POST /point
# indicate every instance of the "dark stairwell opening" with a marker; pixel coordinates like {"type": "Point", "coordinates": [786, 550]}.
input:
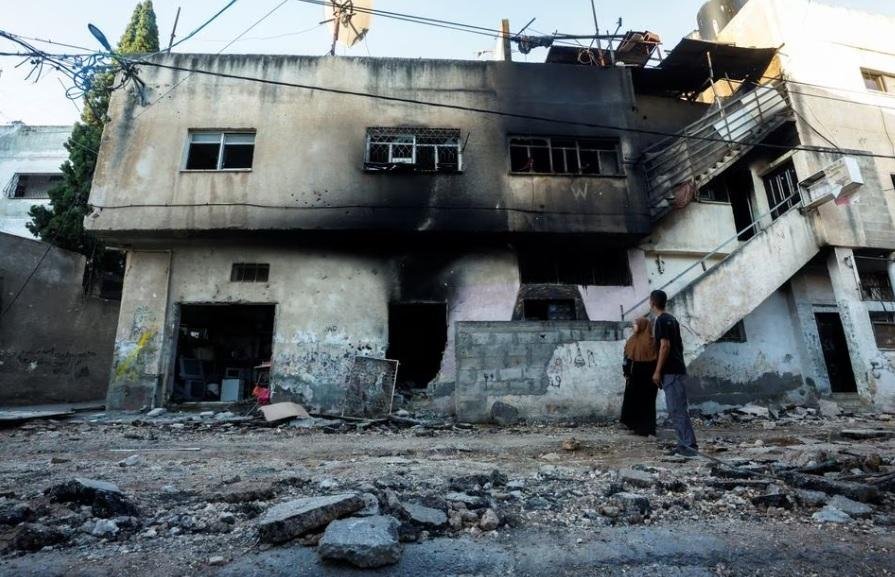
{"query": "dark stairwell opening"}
{"type": "Point", "coordinates": [417, 335]}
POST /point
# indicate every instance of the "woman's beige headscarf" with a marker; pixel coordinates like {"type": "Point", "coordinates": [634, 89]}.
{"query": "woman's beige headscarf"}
{"type": "Point", "coordinates": [641, 347]}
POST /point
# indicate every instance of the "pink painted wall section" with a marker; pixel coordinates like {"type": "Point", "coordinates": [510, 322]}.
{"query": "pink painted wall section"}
{"type": "Point", "coordinates": [603, 303]}
{"type": "Point", "coordinates": [486, 289]}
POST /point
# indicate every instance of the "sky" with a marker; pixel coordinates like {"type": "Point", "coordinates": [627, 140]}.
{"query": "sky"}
{"type": "Point", "coordinates": [294, 28]}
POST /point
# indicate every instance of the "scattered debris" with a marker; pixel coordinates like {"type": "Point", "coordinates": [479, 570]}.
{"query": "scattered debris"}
{"type": "Point", "coordinates": [504, 414]}
{"type": "Point", "coordinates": [571, 444]}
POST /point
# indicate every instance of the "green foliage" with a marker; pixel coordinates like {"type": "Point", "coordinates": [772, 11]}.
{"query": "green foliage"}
{"type": "Point", "coordinates": [62, 223]}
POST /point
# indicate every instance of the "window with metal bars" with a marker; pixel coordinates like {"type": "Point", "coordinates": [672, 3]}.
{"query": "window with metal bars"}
{"type": "Point", "coordinates": [559, 155]}
{"type": "Point", "coordinates": [249, 272]}
{"type": "Point", "coordinates": [414, 149]}
{"type": "Point", "coordinates": [782, 188]}
{"type": "Point", "coordinates": [31, 185]}
{"type": "Point", "coordinates": [883, 329]}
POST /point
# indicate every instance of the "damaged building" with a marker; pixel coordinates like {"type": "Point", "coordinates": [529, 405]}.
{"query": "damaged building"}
{"type": "Point", "coordinates": [494, 226]}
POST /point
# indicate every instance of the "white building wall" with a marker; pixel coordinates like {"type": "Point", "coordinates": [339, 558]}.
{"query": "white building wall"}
{"type": "Point", "coordinates": [24, 149]}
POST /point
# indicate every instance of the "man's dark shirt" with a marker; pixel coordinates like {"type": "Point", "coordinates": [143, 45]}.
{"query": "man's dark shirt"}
{"type": "Point", "coordinates": [667, 327]}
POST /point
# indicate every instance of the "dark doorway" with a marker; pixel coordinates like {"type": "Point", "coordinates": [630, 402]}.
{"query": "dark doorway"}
{"type": "Point", "coordinates": [219, 350]}
{"type": "Point", "coordinates": [835, 348]}
{"type": "Point", "coordinates": [741, 204]}
{"type": "Point", "coordinates": [417, 335]}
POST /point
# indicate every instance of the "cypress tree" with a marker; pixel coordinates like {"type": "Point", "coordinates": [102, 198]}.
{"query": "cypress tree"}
{"type": "Point", "coordinates": [62, 222]}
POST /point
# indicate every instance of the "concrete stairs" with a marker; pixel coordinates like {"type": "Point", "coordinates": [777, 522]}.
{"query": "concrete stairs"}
{"type": "Point", "coordinates": [717, 299]}
{"type": "Point", "coordinates": [712, 144]}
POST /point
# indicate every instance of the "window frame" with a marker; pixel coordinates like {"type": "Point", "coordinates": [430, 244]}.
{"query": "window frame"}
{"type": "Point", "coordinates": [239, 270]}
{"type": "Point", "coordinates": [737, 334]}
{"type": "Point", "coordinates": [415, 137]}
{"type": "Point", "coordinates": [221, 144]}
{"type": "Point", "coordinates": [874, 315]}
{"type": "Point", "coordinates": [616, 149]}
{"type": "Point", "coordinates": [12, 187]}
{"type": "Point", "coordinates": [885, 83]}
{"type": "Point", "coordinates": [772, 181]}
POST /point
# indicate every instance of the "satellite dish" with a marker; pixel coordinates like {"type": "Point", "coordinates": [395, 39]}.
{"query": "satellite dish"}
{"type": "Point", "coordinates": [349, 20]}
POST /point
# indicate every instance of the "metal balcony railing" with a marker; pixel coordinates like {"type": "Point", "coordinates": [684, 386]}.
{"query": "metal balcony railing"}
{"type": "Point", "coordinates": [713, 143]}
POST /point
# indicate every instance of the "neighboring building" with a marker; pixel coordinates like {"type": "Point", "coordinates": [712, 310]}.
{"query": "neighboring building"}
{"type": "Point", "coordinates": [30, 161]}
{"type": "Point", "coordinates": [55, 341]}
{"type": "Point", "coordinates": [494, 256]}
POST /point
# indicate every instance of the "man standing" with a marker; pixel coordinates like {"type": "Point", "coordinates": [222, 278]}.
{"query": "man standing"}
{"type": "Point", "coordinates": [670, 373]}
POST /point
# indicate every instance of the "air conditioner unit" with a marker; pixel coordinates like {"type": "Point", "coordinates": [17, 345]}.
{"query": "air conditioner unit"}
{"type": "Point", "coordinates": [839, 181]}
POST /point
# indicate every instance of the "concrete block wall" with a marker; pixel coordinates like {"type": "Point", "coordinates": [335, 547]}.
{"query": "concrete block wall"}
{"type": "Point", "coordinates": [547, 370]}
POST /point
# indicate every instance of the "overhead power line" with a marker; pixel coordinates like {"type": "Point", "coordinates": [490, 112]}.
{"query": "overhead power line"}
{"type": "Point", "coordinates": [503, 113]}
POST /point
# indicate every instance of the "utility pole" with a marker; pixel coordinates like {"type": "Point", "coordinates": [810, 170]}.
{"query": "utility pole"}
{"type": "Point", "coordinates": [504, 48]}
{"type": "Point", "coordinates": [593, 8]}
{"type": "Point", "coordinates": [174, 29]}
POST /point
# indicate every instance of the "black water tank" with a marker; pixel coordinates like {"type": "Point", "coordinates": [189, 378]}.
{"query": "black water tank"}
{"type": "Point", "coordinates": [714, 16]}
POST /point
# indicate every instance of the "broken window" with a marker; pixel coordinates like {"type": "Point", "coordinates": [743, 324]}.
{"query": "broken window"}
{"type": "Point", "coordinates": [424, 150]}
{"type": "Point", "coordinates": [31, 185]}
{"type": "Point", "coordinates": [249, 272]}
{"type": "Point", "coordinates": [873, 272]}
{"type": "Point", "coordinates": [549, 310]}
{"type": "Point", "coordinates": [558, 155]}
{"type": "Point", "coordinates": [735, 335]}
{"type": "Point", "coordinates": [878, 82]}
{"type": "Point", "coordinates": [715, 191]}
{"type": "Point", "coordinates": [782, 187]}
{"type": "Point", "coordinates": [417, 336]}
{"type": "Point", "coordinates": [883, 329]}
{"type": "Point", "coordinates": [220, 151]}
{"type": "Point", "coordinates": [572, 265]}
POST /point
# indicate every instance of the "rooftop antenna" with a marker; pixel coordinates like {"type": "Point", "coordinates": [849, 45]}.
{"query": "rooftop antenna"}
{"type": "Point", "coordinates": [174, 29]}
{"type": "Point", "coordinates": [350, 21]}
{"type": "Point", "coordinates": [593, 8]}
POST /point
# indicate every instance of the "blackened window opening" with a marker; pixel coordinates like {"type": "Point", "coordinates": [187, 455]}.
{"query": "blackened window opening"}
{"type": "Point", "coordinates": [563, 155]}
{"type": "Point", "coordinates": [249, 272]}
{"type": "Point", "coordinates": [549, 310]}
{"type": "Point", "coordinates": [413, 149]}
{"type": "Point", "coordinates": [571, 265]}
{"type": "Point", "coordinates": [782, 185]}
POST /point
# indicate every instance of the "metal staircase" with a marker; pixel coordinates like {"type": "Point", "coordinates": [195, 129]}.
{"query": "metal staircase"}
{"type": "Point", "coordinates": [710, 145]}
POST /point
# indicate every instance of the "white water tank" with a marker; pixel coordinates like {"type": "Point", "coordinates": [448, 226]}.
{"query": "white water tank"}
{"type": "Point", "coordinates": [715, 15]}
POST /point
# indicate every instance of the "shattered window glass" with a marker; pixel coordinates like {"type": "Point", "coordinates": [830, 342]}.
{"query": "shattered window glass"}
{"type": "Point", "coordinates": [564, 155]}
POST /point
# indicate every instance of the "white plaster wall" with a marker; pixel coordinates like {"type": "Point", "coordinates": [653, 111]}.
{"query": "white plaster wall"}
{"type": "Point", "coordinates": [771, 347]}
{"type": "Point", "coordinates": [25, 148]}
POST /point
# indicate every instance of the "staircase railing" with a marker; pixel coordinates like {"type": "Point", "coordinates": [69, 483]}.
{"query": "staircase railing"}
{"type": "Point", "coordinates": [717, 250]}
{"type": "Point", "coordinates": [728, 130]}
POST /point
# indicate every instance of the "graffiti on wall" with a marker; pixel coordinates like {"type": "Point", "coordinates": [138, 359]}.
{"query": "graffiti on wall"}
{"type": "Point", "coordinates": [134, 355]}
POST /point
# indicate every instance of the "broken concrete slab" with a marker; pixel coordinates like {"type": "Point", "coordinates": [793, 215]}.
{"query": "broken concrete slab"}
{"type": "Point", "coordinates": [12, 418]}
{"type": "Point", "coordinates": [812, 498]}
{"type": "Point", "coordinates": [424, 517]}
{"type": "Point", "coordinates": [504, 414]}
{"type": "Point", "coordinates": [851, 508]}
{"type": "Point", "coordinates": [636, 478]}
{"type": "Point", "coordinates": [34, 537]}
{"type": "Point", "coordinates": [857, 491]}
{"type": "Point", "coordinates": [778, 500]}
{"type": "Point", "coordinates": [489, 521]}
{"type": "Point", "coordinates": [371, 506]}
{"type": "Point", "coordinates": [292, 519]}
{"type": "Point", "coordinates": [632, 503]}
{"type": "Point", "coordinates": [365, 542]}
{"type": "Point", "coordinates": [831, 515]}
{"type": "Point", "coordinates": [14, 513]}
{"type": "Point", "coordinates": [828, 408]}
{"type": "Point", "coordinates": [471, 501]}
{"type": "Point", "coordinates": [106, 499]}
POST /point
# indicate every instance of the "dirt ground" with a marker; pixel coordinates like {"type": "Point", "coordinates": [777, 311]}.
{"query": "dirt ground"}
{"type": "Point", "coordinates": [200, 485]}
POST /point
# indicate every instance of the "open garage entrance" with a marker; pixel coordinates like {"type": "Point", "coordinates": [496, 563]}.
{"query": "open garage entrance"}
{"type": "Point", "coordinates": [417, 335]}
{"type": "Point", "coordinates": [219, 351]}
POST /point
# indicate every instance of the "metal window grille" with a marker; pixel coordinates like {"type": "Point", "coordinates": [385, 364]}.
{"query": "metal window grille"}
{"type": "Point", "coordinates": [883, 329]}
{"type": "Point", "coordinates": [31, 185]}
{"type": "Point", "coordinates": [558, 155]}
{"type": "Point", "coordinates": [249, 272]}
{"type": "Point", "coordinates": [413, 149]}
